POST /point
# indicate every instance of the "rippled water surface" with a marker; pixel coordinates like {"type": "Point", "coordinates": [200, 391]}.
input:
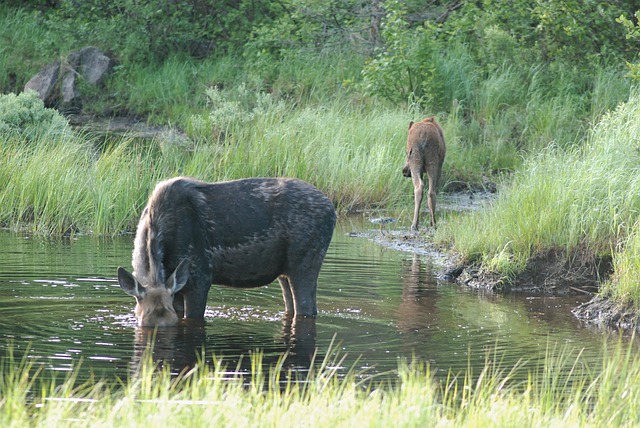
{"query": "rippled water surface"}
{"type": "Point", "coordinates": [61, 306]}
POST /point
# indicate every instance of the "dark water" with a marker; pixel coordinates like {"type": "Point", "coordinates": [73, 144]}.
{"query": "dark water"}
{"type": "Point", "coordinates": [60, 305]}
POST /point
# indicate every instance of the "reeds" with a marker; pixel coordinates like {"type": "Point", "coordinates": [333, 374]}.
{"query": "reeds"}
{"type": "Point", "coordinates": [65, 184]}
{"type": "Point", "coordinates": [561, 390]}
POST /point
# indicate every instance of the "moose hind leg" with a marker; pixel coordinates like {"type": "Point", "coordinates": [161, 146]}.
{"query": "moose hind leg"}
{"type": "Point", "coordinates": [418, 189]}
{"type": "Point", "coordinates": [287, 295]}
{"type": "Point", "coordinates": [433, 174]}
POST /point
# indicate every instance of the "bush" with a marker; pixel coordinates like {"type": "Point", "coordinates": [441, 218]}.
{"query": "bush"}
{"type": "Point", "coordinates": [406, 66]}
{"type": "Point", "coordinates": [26, 115]}
{"type": "Point", "coordinates": [633, 32]}
{"type": "Point", "coordinates": [147, 30]}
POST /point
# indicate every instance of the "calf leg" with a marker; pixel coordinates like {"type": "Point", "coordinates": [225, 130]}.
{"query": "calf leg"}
{"type": "Point", "coordinates": [418, 190]}
{"type": "Point", "coordinates": [433, 175]}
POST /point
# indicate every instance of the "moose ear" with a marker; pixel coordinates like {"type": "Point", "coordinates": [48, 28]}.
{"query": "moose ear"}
{"type": "Point", "coordinates": [129, 283]}
{"type": "Point", "coordinates": [179, 277]}
{"type": "Point", "coordinates": [410, 124]}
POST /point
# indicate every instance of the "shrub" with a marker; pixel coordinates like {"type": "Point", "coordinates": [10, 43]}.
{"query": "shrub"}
{"type": "Point", "coordinates": [26, 115]}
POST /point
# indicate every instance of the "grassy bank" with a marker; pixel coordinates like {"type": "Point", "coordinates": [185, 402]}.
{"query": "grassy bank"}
{"type": "Point", "coordinates": [561, 391]}
{"type": "Point", "coordinates": [581, 199]}
{"type": "Point", "coordinates": [59, 182]}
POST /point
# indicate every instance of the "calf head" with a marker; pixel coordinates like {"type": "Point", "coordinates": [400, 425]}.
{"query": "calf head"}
{"type": "Point", "coordinates": [154, 301]}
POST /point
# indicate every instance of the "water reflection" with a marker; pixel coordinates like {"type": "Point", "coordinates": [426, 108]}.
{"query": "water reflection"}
{"type": "Point", "coordinates": [418, 309]}
{"type": "Point", "coordinates": [183, 346]}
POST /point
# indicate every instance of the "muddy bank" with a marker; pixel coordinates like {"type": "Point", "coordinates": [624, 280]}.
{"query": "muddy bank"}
{"type": "Point", "coordinates": [606, 313]}
{"type": "Point", "coordinates": [554, 272]}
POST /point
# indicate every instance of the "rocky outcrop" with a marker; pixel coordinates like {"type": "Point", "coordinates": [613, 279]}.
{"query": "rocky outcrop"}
{"type": "Point", "coordinates": [57, 83]}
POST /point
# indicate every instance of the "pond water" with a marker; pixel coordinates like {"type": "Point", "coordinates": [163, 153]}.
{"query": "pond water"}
{"type": "Point", "coordinates": [60, 306]}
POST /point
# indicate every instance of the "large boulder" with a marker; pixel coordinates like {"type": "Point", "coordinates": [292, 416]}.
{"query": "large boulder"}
{"type": "Point", "coordinates": [45, 81]}
{"type": "Point", "coordinates": [89, 65]}
{"type": "Point", "coordinates": [94, 65]}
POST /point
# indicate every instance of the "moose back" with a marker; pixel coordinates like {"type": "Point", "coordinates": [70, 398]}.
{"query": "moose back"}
{"type": "Point", "coordinates": [241, 233]}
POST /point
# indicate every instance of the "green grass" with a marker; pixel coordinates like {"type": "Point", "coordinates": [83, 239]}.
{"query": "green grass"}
{"type": "Point", "coordinates": [562, 390]}
{"type": "Point", "coordinates": [577, 198]}
{"type": "Point", "coordinates": [21, 32]}
{"type": "Point", "coordinates": [59, 184]}
{"type": "Point", "coordinates": [353, 150]}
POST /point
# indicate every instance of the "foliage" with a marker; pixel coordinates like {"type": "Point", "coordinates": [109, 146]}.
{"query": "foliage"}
{"type": "Point", "coordinates": [581, 31]}
{"type": "Point", "coordinates": [26, 116]}
{"type": "Point", "coordinates": [309, 25]}
{"type": "Point", "coordinates": [143, 30]}
{"type": "Point", "coordinates": [494, 34]}
{"type": "Point", "coordinates": [225, 114]}
{"type": "Point", "coordinates": [406, 66]}
{"type": "Point", "coordinates": [633, 32]}
{"type": "Point", "coordinates": [572, 31]}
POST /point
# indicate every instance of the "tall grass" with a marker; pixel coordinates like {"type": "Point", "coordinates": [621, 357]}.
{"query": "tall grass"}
{"type": "Point", "coordinates": [584, 197]}
{"type": "Point", "coordinates": [174, 90]}
{"type": "Point", "coordinates": [562, 390]}
{"type": "Point", "coordinates": [64, 184]}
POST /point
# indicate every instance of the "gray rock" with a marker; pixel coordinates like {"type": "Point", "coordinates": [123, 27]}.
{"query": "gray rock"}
{"type": "Point", "coordinates": [69, 74]}
{"type": "Point", "coordinates": [45, 81]}
{"type": "Point", "coordinates": [94, 65]}
{"type": "Point", "coordinates": [89, 64]}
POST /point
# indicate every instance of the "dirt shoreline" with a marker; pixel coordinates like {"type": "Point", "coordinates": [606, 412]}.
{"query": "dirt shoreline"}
{"type": "Point", "coordinates": [552, 273]}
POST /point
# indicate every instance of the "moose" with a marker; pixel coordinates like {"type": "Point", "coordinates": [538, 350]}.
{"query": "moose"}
{"type": "Point", "coordinates": [425, 153]}
{"type": "Point", "coordinates": [241, 233]}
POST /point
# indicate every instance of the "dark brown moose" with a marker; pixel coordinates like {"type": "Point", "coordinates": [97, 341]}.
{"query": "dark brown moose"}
{"type": "Point", "coordinates": [425, 153]}
{"type": "Point", "coordinates": [241, 233]}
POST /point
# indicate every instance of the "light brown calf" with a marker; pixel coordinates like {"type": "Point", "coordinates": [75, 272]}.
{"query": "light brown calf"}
{"type": "Point", "coordinates": [425, 153]}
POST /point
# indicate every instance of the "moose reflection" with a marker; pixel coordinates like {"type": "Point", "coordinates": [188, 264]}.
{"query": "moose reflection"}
{"type": "Point", "coordinates": [183, 346]}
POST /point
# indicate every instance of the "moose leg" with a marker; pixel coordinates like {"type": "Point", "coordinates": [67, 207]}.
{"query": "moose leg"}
{"type": "Point", "coordinates": [418, 189]}
{"type": "Point", "coordinates": [286, 295]}
{"type": "Point", "coordinates": [433, 175]}
{"type": "Point", "coordinates": [303, 288]}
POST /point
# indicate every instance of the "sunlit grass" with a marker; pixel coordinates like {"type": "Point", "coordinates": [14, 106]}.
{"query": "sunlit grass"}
{"type": "Point", "coordinates": [64, 184]}
{"type": "Point", "coordinates": [561, 390]}
{"type": "Point", "coordinates": [581, 198]}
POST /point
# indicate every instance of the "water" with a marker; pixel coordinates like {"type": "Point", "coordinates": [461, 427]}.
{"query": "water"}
{"type": "Point", "coordinates": [60, 305]}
